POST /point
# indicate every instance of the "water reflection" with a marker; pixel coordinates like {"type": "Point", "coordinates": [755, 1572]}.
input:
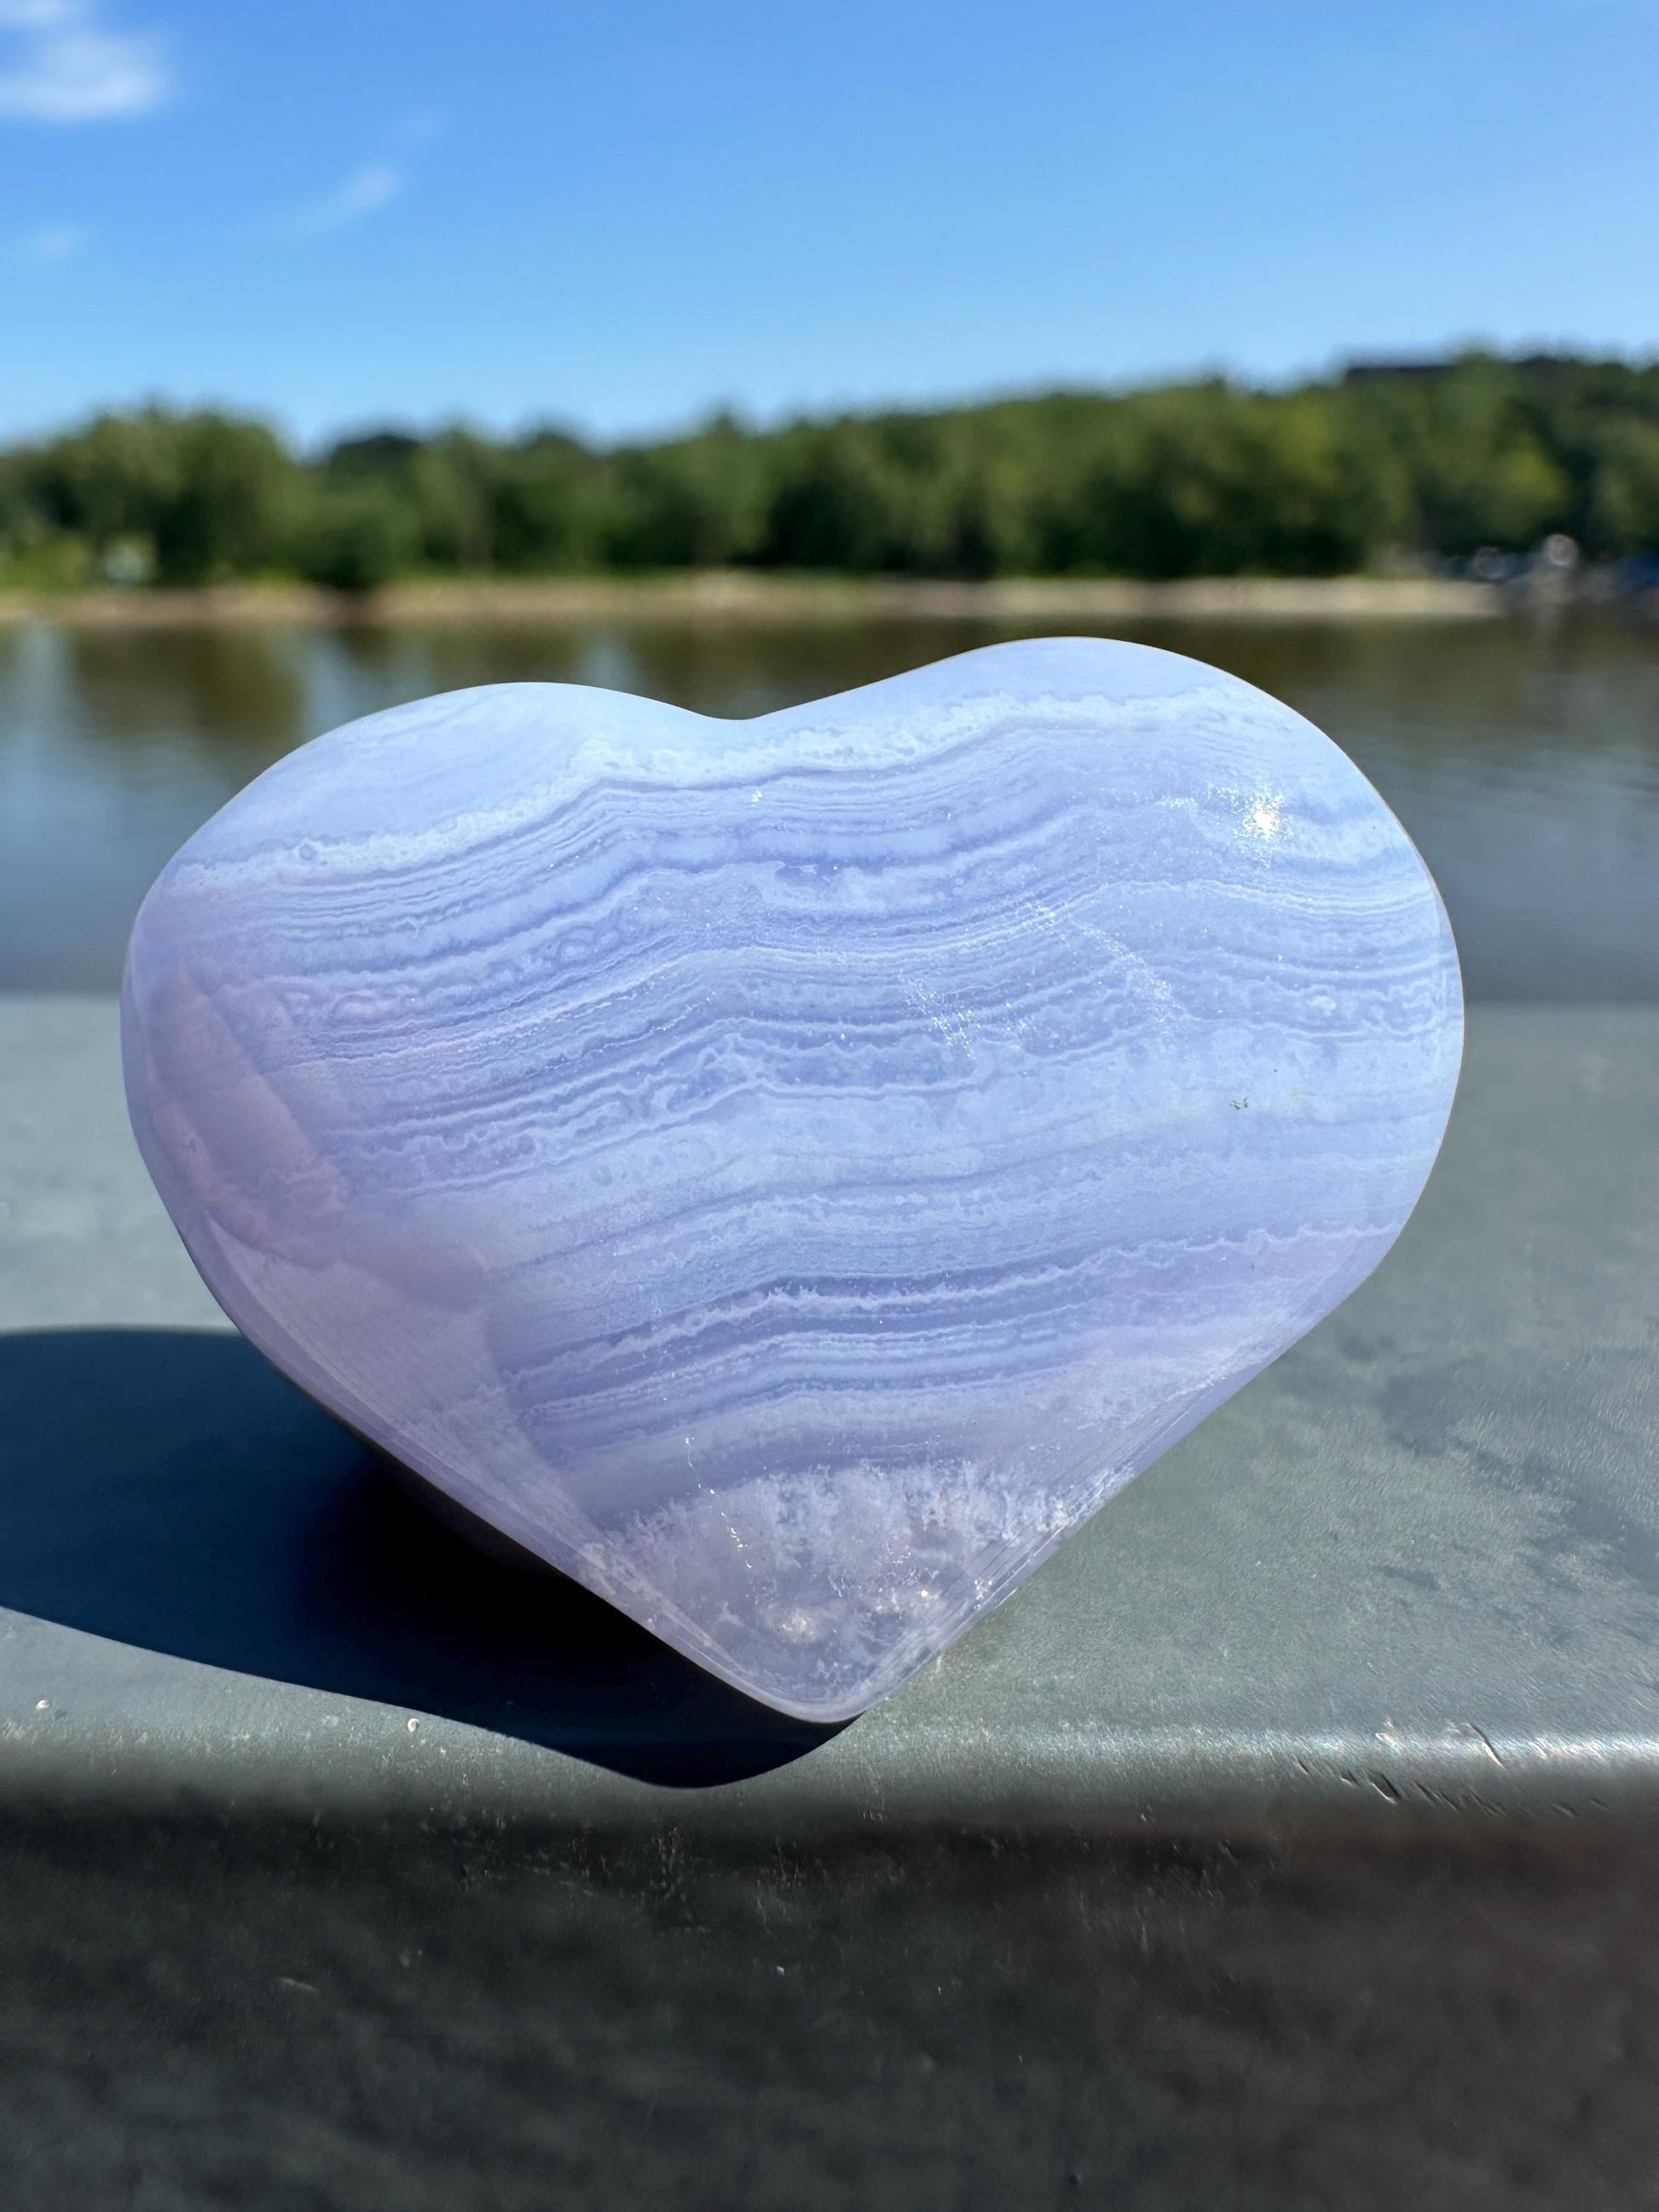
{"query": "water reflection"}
{"type": "Point", "coordinates": [1524, 761]}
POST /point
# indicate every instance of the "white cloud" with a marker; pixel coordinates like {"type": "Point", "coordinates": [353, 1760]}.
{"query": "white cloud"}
{"type": "Point", "coordinates": [416, 125]}
{"type": "Point", "coordinates": [59, 65]}
{"type": "Point", "coordinates": [53, 241]}
{"type": "Point", "coordinates": [364, 192]}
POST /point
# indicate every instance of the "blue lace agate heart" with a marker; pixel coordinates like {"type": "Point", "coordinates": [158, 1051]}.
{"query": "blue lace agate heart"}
{"type": "Point", "coordinates": [788, 1173]}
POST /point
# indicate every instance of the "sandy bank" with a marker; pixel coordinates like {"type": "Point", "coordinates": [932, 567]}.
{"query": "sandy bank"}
{"type": "Point", "coordinates": [725, 596]}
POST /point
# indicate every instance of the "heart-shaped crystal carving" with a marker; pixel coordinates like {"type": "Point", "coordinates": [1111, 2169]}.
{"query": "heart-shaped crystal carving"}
{"type": "Point", "coordinates": [788, 1173]}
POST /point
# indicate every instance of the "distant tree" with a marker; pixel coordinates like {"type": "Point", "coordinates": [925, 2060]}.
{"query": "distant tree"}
{"type": "Point", "coordinates": [550, 505]}
{"type": "Point", "coordinates": [34, 549]}
{"type": "Point", "coordinates": [211, 494]}
{"type": "Point", "coordinates": [356, 537]}
{"type": "Point", "coordinates": [443, 482]}
{"type": "Point", "coordinates": [834, 501]}
{"type": "Point", "coordinates": [693, 502]}
{"type": "Point", "coordinates": [1599, 422]}
{"type": "Point", "coordinates": [1480, 472]}
{"type": "Point", "coordinates": [1622, 510]}
{"type": "Point", "coordinates": [229, 513]}
{"type": "Point", "coordinates": [1210, 478]}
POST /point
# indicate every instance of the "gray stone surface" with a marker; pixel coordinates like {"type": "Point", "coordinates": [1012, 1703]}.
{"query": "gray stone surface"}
{"type": "Point", "coordinates": [263, 1943]}
{"type": "Point", "coordinates": [1416, 1565]}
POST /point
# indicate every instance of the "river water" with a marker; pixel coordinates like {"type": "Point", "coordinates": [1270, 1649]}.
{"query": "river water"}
{"type": "Point", "coordinates": [1522, 758]}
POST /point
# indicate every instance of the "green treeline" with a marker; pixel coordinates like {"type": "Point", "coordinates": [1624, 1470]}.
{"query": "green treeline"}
{"type": "Point", "coordinates": [1209, 478]}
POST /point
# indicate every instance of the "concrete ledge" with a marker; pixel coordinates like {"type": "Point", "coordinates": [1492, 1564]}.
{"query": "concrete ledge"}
{"type": "Point", "coordinates": [1410, 1575]}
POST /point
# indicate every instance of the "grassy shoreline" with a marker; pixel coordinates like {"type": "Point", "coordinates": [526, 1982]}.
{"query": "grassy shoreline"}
{"type": "Point", "coordinates": [741, 596]}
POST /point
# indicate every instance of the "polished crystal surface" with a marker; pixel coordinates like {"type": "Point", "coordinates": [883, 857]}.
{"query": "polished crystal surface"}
{"type": "Point", "coordinates": [788, 1173]}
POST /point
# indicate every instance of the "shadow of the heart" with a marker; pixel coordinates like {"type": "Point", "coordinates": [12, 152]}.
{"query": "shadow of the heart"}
{"type": "Point", "coordinates": [169, 1488]}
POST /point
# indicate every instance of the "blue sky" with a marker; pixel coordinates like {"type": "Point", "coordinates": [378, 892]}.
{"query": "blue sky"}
{"type": "Point", "coordinates": [623, 213]}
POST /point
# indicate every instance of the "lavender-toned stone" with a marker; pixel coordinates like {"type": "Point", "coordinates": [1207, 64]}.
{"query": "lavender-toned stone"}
{"type": "Point", "coordinates": [789, 1173]}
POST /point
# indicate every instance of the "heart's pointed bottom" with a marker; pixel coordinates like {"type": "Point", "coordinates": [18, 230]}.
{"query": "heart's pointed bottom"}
{"type": "Point", "coordinates": [820, 1597]}
{"type": "Point", "coordinates": [786, 1175]}
{"type": "Point", "coordinates": [818, 1592]}
{"type": "Point", "coordinates": [789, 1627]}
{"type": "Point", "coordinates": [755, 1586]}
